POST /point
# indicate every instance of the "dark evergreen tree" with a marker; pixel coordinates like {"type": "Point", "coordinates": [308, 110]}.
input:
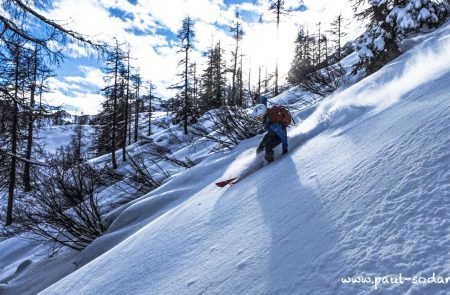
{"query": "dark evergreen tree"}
{"type": "Point", "coordinates": [77, 145]}
{"type": "Point", "coordinates": [389, 21]}
{"type": "Point", "coordinates": [16, 51]}
{"type": "Point", "coordinates": [213, 80]}
{"type": "Point", "coordinates": [207, 83]}
{"type": "Point", "coordinates": [137, 84]}
{"type": "Point", "coordinates": [150, 99]}
{"type": "Point", "coordinates": [30, 118]}
{"type": "Point", "coordinates": [304, 60]}
{"type": "Point", "coordinates": [183, 110]}
{"type": "Point", "coordinates": [337, 32]}
{"type": "Point", "coordinates": [278, 8]}
{"type": "Point", "coordinates": [126, 95]}
{"type": "Point", "coordinates": [112, 117]}
{"type": "Point", "coordinates": [238, 33]}
{"type": "Point", "coordinates": [219, 86]}
{"type": "Point", "coordinates": [37, 74]}
{"type": "Point", "coordinates": [240, 85]}
{"type": "Point", "coordinates": [195, 85]}
{"type": "Point", "coordinates": [319, 43]}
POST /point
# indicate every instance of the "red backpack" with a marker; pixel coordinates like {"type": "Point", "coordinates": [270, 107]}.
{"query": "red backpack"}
{"type": "Point", "coordinates": [279, 114]}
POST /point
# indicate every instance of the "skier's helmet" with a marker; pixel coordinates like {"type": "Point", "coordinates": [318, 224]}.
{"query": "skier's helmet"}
{"type": "Point", "coordinates": [255, 97]}
{"type": "Point", "coordinates": [259, 112]}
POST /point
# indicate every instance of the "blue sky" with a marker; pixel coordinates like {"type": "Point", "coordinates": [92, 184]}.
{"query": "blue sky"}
{"type": "Point", "coordinates": [150, 27]}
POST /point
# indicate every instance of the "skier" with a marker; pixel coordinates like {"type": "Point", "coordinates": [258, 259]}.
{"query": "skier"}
{"type": "Point", "coordinates": [276, 133]}
{"type": "Point", "coordinates": [275, 121]}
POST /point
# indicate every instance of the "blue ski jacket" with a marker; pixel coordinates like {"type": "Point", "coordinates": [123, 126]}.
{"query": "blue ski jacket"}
{"type": "Point", "coordinates": [278, 130]}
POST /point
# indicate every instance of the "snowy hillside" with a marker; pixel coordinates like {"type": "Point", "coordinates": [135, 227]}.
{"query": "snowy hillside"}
{"type": "Point", "coordinates": [363, 194]}
{"type": "Point", "coordinates": [54, 137]}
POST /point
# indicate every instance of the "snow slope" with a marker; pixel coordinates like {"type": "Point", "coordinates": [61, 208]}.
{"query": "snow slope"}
{"type": "Point", "coordinates": [54, 137]}
{"type": "Point", "coordinates": [364, 192]}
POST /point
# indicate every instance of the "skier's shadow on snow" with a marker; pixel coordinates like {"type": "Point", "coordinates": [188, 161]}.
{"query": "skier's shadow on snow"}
{"type": "Point", "coordinates": [272, 210]}
{"type": "Point", "coordinates": [301, 231]}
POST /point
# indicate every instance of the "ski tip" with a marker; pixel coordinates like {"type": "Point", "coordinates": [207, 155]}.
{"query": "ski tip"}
{"type": "Point", "coordinates": [224, 183]}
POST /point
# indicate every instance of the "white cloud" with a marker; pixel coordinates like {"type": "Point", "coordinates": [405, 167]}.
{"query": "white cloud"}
{"type": "Point", "coordinates": [91, 76]}
{"type": "Point", "coordinates": [171, 13]}
{"type": "Point", "coordinates": [85, 102]}
{"type": "Point", "coordinates": [62, 85]}
{"type": "Point", "coordinates": [156, 54]}
{"type": "Point", "coordinates": [78, 91]}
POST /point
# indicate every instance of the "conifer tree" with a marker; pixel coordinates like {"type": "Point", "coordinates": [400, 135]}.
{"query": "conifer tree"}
{"type": "Point", "coordinates": [304, 60]}
{"type": "Point", "coordinates": [183, 111]}
{"type": "Point", "coordinates": [111, 119]}
{"type": "Point", "coordinates": [213, 80]}
{"type": "Point", "coordinates": [238, 33]}
{"type": "Point", "coordinates": [278, 8]}
{"type": "Point", "coordinates": [127, 122]}
{"type": "Point", "coordinates": [30, 118]}
{"type": "Point", "coordinates": [389, 21]}
{"type": "Point", "coordinates": [219, 75]}
{"type": "Point", "coordinates": [337, 32]}
{"type": "Point", "coordinates": [16, 53]}
{"type": "Point", "coordinates": [137, 83]}
{"type": "Point", "coordinates": [37, 73]}
{"type": "Point", "coordinates": [151, 98]}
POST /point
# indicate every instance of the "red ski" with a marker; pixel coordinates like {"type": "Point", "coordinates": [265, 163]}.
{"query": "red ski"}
{"type": "Point", "coordinates": [230, 181]}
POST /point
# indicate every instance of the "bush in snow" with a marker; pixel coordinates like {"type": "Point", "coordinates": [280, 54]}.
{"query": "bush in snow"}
{"type": "Point", "coordinates": [63, 208]}
{"type": "Point", "coordinates": [324, 81]}
{"type": "Point", "coordinates": [141, 174]}
{"type": "Point", "coordinates": [225, 126]}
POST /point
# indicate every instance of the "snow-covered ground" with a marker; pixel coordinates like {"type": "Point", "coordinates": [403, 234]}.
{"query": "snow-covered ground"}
{"type": "Point", "coordinates": [364, 193]}
{"type": "Point", "coordinates": [56, 136]}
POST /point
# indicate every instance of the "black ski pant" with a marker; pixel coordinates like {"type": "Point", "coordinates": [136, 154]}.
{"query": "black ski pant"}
{"type": "Point", "coordinates": [268, 143]}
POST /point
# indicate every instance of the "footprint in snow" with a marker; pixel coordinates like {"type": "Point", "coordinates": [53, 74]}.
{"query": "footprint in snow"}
{"type": "Point", "coordinates": [190, 283]}
{"type": "Point", "coordinates": [243, 264]}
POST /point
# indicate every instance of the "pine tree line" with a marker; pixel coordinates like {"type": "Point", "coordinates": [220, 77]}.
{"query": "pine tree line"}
{"type": "Point", "coordinates": [118, 122]}
{"type": "Point", "coordinates": [22, 80]}
{"type": "Point", "coordinates": [26, 58]}
{"type": "Point", "coordinates": [317, 50]}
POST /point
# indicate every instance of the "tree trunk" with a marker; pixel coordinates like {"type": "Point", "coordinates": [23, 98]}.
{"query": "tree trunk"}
{"type": "Point", "coordinates": [127, 97]}
{"type": "Point", "coordinates": [114, 126]}
{"type": "Point", "coordinates": [150, 112]}
{"type": "Point", "coordinates": [12, 172]}
{"type": "Point", "coordinates": [339, 36]}
{"type": "Point", "coordinates": [259, 80]}
{"type": "Point", "coordinates": [136, 111]}
{"type": "Point", "coordinates": [27, 165]}
{"type": "Point", "coordinates": [185, 115]}
{"type": "Point", "coordinates": [278, 33]}
{"type": "Point", "coordinates": [233, 85]}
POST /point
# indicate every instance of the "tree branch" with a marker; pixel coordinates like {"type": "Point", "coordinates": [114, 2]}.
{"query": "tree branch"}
{"type": "Point", "coordinates": [22, 159]}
